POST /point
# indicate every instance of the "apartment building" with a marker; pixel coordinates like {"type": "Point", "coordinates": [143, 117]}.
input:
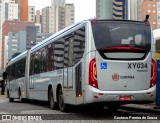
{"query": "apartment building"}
{"type": "Point", "coordinates": [31, 13]}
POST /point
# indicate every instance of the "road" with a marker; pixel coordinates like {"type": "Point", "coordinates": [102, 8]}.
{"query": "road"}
{"type": "Point", "coordinates": [42, 109]}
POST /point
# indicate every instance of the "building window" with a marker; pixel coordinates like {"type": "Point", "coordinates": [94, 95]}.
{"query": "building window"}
{"type": "Point", "coordinates": [149, 10]}
{"type": "Point", "coordinates": [154, 22]}
{"type": "Point", "coordinates": [149, 5]}
{"type": "Point", "coordinates": [154, 5]}
{"type": "Point", "coordinates": [154, 11]}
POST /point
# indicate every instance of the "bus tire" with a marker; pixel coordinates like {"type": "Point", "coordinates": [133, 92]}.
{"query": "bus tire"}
{"type": "Point", "coordinates": [21, 100]}
{"type": "Point", "coordinates": [52, 103]}
{"type": "Point", "coordinates": [62, 106]}
{"type": "Point", "coordinates": [10, 99]}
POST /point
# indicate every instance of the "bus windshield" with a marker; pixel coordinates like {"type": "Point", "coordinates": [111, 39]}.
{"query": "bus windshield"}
{"type": "Point", "coordinates": [109, 34]}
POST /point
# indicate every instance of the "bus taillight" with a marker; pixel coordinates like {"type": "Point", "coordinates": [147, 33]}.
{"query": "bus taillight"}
{"type": "Point", "coordinates": [93, 73]}
{"type": "Point", "coordinates": [153, 73]}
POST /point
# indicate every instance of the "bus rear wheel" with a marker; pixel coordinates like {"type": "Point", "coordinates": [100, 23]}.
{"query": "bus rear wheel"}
{"type": "Point", "coordinates": [53, 104]}
{"type": "Point", "coordinates": [62, 106]}
{"type": "Point", "coordinates": [10, 99]}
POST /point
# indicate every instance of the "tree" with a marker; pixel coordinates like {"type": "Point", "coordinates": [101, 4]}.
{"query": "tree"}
{"type": "Point", "coordinates": [15, 54]}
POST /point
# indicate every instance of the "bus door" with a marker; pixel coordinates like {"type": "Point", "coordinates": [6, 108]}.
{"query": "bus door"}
{"type": "Point", "coordinates": [68, 62]}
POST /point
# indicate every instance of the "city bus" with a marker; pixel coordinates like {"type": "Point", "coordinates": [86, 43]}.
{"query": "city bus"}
{"type": "Point", "coordinates": [104, 62]}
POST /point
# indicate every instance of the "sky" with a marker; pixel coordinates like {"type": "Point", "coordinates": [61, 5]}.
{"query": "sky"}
{"type": "Point", "coordinates": [84, 9]}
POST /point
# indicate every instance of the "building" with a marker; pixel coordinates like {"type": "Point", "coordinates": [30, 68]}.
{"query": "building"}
{"type": "Point", "coordinates": [13, 45]}
{"type": "Point", "coordinates": [31, 37]}
{"type": "Point", "coordinates": [69, 14]}
{"type": "Point", "coordinates": [62, 15]}
{"type": "Point", "coordinates": [38, 27]}
{"type": "Point", "coordinates": [5, 52]}
{"type": "Point", "coordinates": [23, 9]}
{"type": "Point", "coordinates": [38, 17]}
{"type": "Point", "coordinates": [120, 9]}
{"type": "Point", "coordinates": [133, 9]}
{"type": "Point", "coordinates": [158, 13]}
{"type": "Point", "coordinates": [41, 36]}
{"type": "Point", "coordinates": [9, 10]}
{"type": "Point", "coordinates": [23, 40]}
{"type": "Point", "coordinates": [31, 13]}
{"type": "Point", "coordinates": [104, 9]}
{"type": "Point", "coordinates": [149, 7]}
{"type": "Point", "coordinates": [46, 20]}
{"type": "Point", "coordinates": [11, 26]}
{"type": "Point", "coordinates": [116, 9]}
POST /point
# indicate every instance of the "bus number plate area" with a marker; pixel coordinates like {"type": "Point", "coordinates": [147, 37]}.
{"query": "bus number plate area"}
{"type": "Point", "coordinates": [125, 98]}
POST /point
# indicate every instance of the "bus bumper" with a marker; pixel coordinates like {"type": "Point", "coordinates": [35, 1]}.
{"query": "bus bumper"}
{"type": "Point", "coordinates": [94, 95]}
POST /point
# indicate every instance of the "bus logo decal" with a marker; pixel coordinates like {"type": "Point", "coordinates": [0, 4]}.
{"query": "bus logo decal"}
{"type": "Point", "coordinates": [103, 65]}
{"type": "Point", "coordinates": [115, 76]}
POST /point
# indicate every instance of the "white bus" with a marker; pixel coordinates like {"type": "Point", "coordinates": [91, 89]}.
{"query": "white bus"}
{"type": "Point", "coordinates": [109, 62]}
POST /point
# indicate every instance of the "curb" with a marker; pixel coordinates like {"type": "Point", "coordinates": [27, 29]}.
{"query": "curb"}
{"type": "Point", "coordinates": [142, 109]}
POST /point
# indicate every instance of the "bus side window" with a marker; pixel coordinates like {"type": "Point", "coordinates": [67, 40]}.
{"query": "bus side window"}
{"type": "Point", "coordinates": [59, 53]}
{"type": "Point", "coordinates": [79, 45]}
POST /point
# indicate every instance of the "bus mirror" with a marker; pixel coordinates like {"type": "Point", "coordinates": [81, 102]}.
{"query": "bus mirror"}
{"type": "Point", "coordinates": [4, 75]}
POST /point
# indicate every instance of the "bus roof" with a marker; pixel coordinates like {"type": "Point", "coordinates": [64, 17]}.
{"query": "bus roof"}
{"type": "Point", "coordinates": [34, 48]}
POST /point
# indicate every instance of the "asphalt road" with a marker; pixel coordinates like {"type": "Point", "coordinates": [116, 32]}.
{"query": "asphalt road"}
{"type": "Point", "coordinates": [42, 109]}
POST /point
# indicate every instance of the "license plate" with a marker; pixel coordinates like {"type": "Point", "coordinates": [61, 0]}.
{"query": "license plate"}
{"type": "Point", "coordinates": [125, 98]}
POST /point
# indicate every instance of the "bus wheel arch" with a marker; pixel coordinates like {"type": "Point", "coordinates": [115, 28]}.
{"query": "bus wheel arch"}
{"type": "Point", "coordinates": [49, 89]}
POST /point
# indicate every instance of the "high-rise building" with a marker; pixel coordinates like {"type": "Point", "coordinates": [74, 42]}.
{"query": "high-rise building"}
{"type": "Point", "coordinates": [104, 9]}
{"type": "Point", "coordinates": [31, 13]}
{"type": "Point", "coordinates": [42, 36]}
{"type": "Point", "coordinates": [57, 15]}
{"type": "Point", "coordinates": [120, 9]}
{"type": "Point", "coordinates": [158, 14]}
{"type": "Point", "coordinates": [31, 37]}
{"type": "Point", "coordinates": [38, 16]}
{"type": "Point", "coordinates": [69, 14]}
{"type": "Point", "coordinates": [62, 15]}
{"type": "Point", "coordinates": [16, 43]}
{"type": "Point", "coordinates": [46, 20]}
{"type": "Point", "coordinates": [149, 7]}
{"type": "Point", "coordinates": [116, 9]}
{"type": "Point", "coordinates": [11, 26]}
{"type": "Point", "coordinates": [38, 27]}
{"type": "Point", "coordinates": [8, 11]}
{"type": "Point", "coordinates": [23, 9]}
{"type": "Point", "coordinates": [133, 9]}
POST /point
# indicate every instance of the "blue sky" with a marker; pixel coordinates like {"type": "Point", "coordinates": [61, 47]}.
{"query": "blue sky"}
{"type": "Point", "coordinates": [84, 9]}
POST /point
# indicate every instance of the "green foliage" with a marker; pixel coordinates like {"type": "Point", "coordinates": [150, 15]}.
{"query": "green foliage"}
{"type": "Point", "coordinates": [15, 54]}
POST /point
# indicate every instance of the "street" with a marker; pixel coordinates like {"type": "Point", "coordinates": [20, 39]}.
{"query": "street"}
{"type": "Point", "coordinates": [37, 108]}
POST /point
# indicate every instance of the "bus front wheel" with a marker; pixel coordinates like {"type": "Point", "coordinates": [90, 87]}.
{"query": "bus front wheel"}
{"type": "Point", "coordinates": [20, 97]}
{"type": "Point", "coordinates": [53, 104]}
{"type": "Point", "coordinates": [10, 99]}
